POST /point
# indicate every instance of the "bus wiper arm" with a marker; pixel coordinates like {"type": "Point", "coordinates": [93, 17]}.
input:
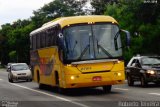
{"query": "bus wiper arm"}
{"type": "Point", "coordinates": [74, 45]}
{"type": "Point", "coordinates": [115, 40]}
{"type": "Point", "coordinates": [105, 51]}
{"type": "Point", "coordinates": [84, 51]}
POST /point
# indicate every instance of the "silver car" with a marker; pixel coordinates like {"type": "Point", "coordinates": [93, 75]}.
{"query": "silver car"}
{"type": "Point", "coordinates": [19, 71]}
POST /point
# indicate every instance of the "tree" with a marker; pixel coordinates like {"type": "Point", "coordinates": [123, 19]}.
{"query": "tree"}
{"type": "Point", "coordinates": [132, 15]}
{"type": "Point", "coordinates": [58, 8]}
{"type": "Point", "coordinates": [99, 5]}
{"type": "Point", "coordinates": [14, 38]}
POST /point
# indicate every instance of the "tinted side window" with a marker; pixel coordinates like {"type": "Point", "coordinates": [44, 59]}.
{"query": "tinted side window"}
{"type": "Point", "coordinates": [43, 39]}
{"type": "Point", "coordinates": [47, 38]}
{"type": "Point", "coordinates": [133, 62]}
{"type": "Point", "coordinates": [51, 36]}
{"type": "Point", "coordinates": [138, 64]}
{"type": "Point", "coordinates": [31, 43]}
{"type": "Point", "coordinates": [34, 42]}
{"type": "Point", "coordinates": [38, 41]}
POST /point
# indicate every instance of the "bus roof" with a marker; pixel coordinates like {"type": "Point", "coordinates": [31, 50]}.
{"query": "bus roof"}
{"type": "Point", "coordinates": [65, 21]}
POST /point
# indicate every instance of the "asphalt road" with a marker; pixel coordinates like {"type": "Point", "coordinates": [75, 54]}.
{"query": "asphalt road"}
{"type": "Point", "coordinates": [27, 94]}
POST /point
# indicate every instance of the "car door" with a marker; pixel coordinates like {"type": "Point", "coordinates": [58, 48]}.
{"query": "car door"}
{"type": "Point", "coordinates": [131, 68]}
{"type": "Point", "coordinates": [137, 68]}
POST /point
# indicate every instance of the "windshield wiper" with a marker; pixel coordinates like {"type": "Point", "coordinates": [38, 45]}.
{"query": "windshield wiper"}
{"type": "Point", "coordinates": [84, 51]}
{"type": "Point", "coordinates": [74, 46]}
{"type": "Point", "coordinates": [115, 40]}
{"type": "Point", "coordinates": [104, 50]}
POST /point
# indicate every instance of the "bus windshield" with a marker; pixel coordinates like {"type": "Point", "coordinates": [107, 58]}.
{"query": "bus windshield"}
{"type": "Point", "coordinates": [92, 41]}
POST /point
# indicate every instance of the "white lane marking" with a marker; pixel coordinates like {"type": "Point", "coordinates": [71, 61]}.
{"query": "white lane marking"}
{"type": "Point", "coordinates": [61, 98]}
{"type": "Point", "coordinates": [158, 94]}
{"type": "Point", "coordinates": [121, 89]}
{"type": "Point", "coordinates": [0, 79]}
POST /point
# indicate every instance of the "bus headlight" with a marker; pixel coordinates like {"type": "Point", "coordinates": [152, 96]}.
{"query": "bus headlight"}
{"type": "Point", "coordinates": [119, 74]}
{"type": "Point", "coordinates": [72, 77]}
{"type": "Point", "coordinates": [150, 72]}
{"type": "Point", "coordinates": [69, 65]}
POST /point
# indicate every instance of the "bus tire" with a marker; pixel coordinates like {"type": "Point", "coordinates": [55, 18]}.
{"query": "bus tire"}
{"type": "Point", "coordinates": [60, 90]}
{"type": "Point", "coordinates": [41, 86]}
{"type": "Point", "coordinates": [56, 78]}
{"type": "Point", "coordinates": [107, 88]}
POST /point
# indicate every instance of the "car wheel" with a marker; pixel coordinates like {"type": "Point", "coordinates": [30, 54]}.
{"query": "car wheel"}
{"type": "Point", "coordinates": [107, 88]}
{"type": "Point", "coordinates": [10, 79]}
{"type": "Point", "coordinates": [130, 81]}
{"type": "Point", "coordinates": [157, 82]}
{"type": "Point", "coordinates": [143, 82]}
{"type": "Point", "coordinates": [29, 80]}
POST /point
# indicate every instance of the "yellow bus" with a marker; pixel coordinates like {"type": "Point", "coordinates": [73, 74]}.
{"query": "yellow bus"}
{"type": "Point", "coordinates": [78, 51]}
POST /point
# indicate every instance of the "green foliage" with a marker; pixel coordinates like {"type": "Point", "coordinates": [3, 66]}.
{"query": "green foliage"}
{"type": "Point", "coordinates": [141, 19]}
{"type": "Point", "coordinates": [13, 56]}
{"type": "Point", "coordinates": [143, 23]}
{"type": "Point", "coordinates": [58, 8]}
{"type": "Point", "coordinates": [99, 5]}
{"type": "Point", "coordinates": [15, 37]}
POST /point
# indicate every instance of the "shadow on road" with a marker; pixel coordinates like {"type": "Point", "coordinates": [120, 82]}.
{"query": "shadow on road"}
{"type": "Point", "coordinates": [21, 81]}
{"type": "Point", "coordinates": [79, 91]}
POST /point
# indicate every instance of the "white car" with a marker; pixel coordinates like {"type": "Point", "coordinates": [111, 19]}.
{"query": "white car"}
{"type": "Point", "coordinates": [19, 71]}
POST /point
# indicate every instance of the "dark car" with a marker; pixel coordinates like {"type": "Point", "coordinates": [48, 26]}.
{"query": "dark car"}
{"type": "Point", "coordinates": [144, 69]}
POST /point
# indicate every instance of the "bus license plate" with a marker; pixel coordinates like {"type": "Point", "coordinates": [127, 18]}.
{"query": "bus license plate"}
{"type": "Point", "coordinates": [97, 78]}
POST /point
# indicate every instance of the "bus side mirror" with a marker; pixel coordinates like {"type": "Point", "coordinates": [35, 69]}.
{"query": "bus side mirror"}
{"type": "Point", "coordinates": [128, 37]}
{"type": "Point", "coordinates": [61, 40]}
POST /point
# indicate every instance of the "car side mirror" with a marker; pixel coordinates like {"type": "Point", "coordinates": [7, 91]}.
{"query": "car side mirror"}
{"type": "Point", "coordinates": [8, 68]}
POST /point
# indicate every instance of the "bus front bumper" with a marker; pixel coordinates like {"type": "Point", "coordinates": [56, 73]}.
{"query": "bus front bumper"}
{"type": "Point", "coordinates": [93, 80]}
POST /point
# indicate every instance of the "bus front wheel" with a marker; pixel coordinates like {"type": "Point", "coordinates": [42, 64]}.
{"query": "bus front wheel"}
{"type": "Point", "coordinates": [60, 90]}
{"type": "Point", "coordinates": [107, 88]}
